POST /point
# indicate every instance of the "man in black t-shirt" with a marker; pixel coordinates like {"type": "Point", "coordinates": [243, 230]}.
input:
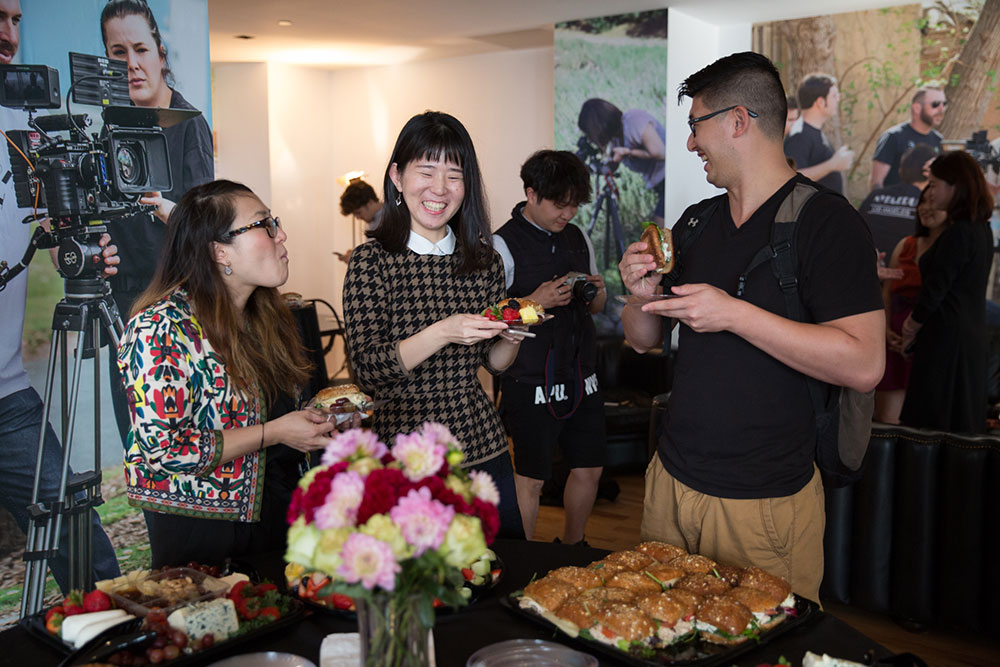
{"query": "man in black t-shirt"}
{"type": "Point", "coordinates": [891, 212]}
{"type": "Point", "coordinates": [926, 113]}
{"type": "Point", "coordinates": [734, 477]}
{"type": "Point", "coordinates": [814, 157]}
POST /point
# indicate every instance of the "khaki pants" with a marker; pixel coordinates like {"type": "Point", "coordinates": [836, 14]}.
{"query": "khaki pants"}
{"type": "Point", "coordinates": [783, 536]}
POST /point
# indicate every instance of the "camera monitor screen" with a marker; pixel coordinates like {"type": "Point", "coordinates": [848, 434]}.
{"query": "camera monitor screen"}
{"type": "Point", "coordinates": [29, 86]}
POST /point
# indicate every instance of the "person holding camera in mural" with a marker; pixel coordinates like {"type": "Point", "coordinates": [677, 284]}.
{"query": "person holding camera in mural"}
{"type": "Point", "coordinates": [130, 33]}
{"type": "Point", "coordinates": [21, 407]}
{"type": "Point", "coordinates": [634, 138]}
{"type": "Point", "coordinates": [550, 394]}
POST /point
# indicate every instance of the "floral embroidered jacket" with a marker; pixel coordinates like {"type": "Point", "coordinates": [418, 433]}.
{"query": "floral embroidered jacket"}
{"type": "Point", "coordinates": [181, 399]}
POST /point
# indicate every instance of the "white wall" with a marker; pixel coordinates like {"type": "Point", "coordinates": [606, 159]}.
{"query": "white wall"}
{"type": "Point", "coordinates": [240, 110]}
{"type": "Point", "coordinates": [691, 45]}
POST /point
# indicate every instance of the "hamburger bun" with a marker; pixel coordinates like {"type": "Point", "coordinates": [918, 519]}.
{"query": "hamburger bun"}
{"type": "Point", "coordinates": [661, 551]}
{"type": "Point", "coordinates": [660, 244]}
{"type": "Point", "coordinates": [343, 398]}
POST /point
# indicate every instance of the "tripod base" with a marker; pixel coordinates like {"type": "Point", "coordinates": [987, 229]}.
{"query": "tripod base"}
{"type": "Point", "coordinates": [85, 310]}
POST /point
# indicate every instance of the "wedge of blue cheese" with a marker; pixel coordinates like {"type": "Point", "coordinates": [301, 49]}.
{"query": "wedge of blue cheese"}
{"type": "Point", "coordinates": [212, 616]}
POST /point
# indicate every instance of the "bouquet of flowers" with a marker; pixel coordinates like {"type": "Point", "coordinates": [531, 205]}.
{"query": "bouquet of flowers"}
{"type": "Point", "coordinates": [393, 528]}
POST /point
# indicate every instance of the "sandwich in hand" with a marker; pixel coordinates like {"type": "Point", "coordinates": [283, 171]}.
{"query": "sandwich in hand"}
{"type": "Point", "coordinates": [660, 244]}
{"type": "Point", "coordinates": [343, 400]}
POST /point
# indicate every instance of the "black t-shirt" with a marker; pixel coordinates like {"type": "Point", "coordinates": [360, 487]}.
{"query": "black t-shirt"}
{"type": "Point", "coordinates": [896, 141]}
{"type": "Point", "coordinates": [891, 214]}
{"type": "Point", "coordinates": [808, 147]}
{"type": "Point", "coordinates": [740, 423]}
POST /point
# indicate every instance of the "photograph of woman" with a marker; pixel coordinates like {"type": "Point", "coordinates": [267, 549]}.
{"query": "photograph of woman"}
{"type": "Point", "coordinates": [634, 138]}
{"type": "Point", "coordinates": [412, 298]}
{"type": "Point", "coordinates": [947, 328]}
{"type": "Point", "coordinates": [211, 347]}
{"type": "Point", "coordinates": [129, 32]}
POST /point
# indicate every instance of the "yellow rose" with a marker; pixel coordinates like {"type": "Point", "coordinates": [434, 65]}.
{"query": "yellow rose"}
{"type": "Point", "coordinates": [302, 541]}
{"type": "Point", "coordinates": [464, 541]}
{"type": "Point", "coordinates": [327, 556]}
{"type": "Point", "coordinates": [381, 527]}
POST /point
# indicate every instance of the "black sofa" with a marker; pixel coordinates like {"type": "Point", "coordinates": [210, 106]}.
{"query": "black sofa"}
{"type": "Point", "coordinates": [919, 537]}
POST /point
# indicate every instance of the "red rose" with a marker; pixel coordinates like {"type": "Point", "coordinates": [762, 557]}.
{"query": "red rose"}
{"type": "Point", "coordinates": [316, 494]}
{"type": "Point", "coordinates": [489, 516]}
{"type": "Point", "coordinates": [294, 507]}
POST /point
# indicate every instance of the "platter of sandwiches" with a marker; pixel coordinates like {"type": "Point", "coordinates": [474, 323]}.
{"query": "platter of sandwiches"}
{"type": "Point", "coordinates": [656, 604]}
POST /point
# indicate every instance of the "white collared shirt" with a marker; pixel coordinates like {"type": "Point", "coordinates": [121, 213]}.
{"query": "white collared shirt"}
{"type": "Point", "coordinates": [422, 246]}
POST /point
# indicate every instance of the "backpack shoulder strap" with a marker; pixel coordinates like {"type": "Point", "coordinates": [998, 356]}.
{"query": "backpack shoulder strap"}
{"type": "Point", "coordinates": [685, 233]}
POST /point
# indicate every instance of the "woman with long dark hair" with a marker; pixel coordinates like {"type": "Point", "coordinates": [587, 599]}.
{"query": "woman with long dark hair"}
{"type": "Point", "coordinates": [130, 33]}
{"type": "Point", "coordinates": [947, 328]}
{"type": "Point", "coordinates": [210, 347]}
{"type": "Point", "coordinates": [899, 297]}
{"type": "Point", "coordinates": [412, 297]}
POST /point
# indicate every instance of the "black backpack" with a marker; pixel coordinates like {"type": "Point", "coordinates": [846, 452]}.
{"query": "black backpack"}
{"type": "Point", "coordinates": [843, 415]}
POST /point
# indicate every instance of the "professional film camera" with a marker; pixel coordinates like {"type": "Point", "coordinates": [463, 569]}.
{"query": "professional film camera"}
{"type": "Point", "coordinates": [595, 158]}
{"type": "Point", "coordinates": [81, 181]}
{"type": "Point", "coordinates": [982, 150]}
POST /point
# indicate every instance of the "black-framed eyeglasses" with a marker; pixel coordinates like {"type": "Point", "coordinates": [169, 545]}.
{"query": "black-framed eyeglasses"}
{"type": "Point", "coordinates": [270, 225]}
{"type": "Point", "coordinates": [693, 121]}
{"type": "Point", "coordinates": [939, 103]}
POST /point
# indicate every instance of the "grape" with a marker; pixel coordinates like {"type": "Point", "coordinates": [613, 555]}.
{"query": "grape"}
{"type": "Point", "coordinates": [213, 571]}
{"type": "Point", "coordinates": [170, 652]}
{"type": "Point", "coordinates": [179, 638]}
{"type": "Point", "coordinates": [138, 659]}
{"type": "Point", "coordinates": [193, 564]}
{"type": "Point", "coordinates": [155, 655]}
{"type": "Point", "coordinates": [156, 615]}
{"type": "Point", "coordinates": [160, 641]}
{"type": "Point", "coordinates": [207, 640]}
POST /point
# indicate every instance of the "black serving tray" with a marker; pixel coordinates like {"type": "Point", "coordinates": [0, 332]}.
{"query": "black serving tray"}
{"type": "Point", "coordinates": [35, 626]}
{"type": "Point", "coordinates": [694, 653]}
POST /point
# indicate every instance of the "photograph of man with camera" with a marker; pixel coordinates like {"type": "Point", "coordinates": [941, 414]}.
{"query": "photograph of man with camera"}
{"type": "Point", "coordinates": [550, 395]}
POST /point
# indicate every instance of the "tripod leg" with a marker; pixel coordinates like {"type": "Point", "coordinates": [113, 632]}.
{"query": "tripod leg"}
{"type": "Point", "coordinates": [596, 212]}
{"type": "Point", "coordinates": [617, 224]}
{"type": "Point", "coordinates": [34, 570]}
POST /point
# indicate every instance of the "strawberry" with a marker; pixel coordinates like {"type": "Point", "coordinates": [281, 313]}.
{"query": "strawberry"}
{"type": "Point", "coordinates": [489, 314]}
{"type": "Point", "coordinates": [341, 601]}
{"type": "Point", "coordinates": [73, 604]}
{"type": "Point", "coordinates": [96, 601]}
{"type": "Point", "coordinates": [509, 315]}
{"type": "Point", "coordinates": [468, 573]}
{"type": "Point", "coordinates": [53, 619]}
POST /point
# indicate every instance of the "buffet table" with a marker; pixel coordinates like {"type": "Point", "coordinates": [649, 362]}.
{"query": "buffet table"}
{"type": "Point", "coordinates": [458, 635]}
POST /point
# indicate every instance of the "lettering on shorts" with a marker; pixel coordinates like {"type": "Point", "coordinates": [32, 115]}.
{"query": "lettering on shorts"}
{"type": "Point", "coordinates": [557, 392]}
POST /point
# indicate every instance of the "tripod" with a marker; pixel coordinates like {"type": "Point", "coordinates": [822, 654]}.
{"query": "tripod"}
{"type": "Point", "coordinates": [85, 310]}
{"type": "Point", "coordinates": [609, 196]}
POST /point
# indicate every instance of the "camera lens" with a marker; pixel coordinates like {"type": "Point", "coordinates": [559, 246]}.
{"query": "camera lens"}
{"type": "Point", "coordinates": [129, 165]}
{"type": "Point", "coordinates": [584, 291]}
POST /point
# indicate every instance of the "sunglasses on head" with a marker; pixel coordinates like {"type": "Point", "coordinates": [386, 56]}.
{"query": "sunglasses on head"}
{"type": "Point", "coordinates": [270, 225]}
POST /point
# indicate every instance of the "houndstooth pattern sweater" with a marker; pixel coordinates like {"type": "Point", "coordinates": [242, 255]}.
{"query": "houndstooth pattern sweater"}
{"type": "Point", "coordinates": [388, 297]}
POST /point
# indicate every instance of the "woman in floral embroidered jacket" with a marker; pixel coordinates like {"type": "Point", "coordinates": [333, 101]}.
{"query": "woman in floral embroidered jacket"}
{"type": "Point", "coordinates": [210, 343]}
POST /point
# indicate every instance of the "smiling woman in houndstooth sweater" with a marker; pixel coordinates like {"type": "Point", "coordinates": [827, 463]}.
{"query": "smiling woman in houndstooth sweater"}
{"type": "Point", "coordinates": [412, 298]}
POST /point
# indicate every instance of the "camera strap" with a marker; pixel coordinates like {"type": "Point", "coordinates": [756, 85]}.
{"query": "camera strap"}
{"type": "Point", "coordinates": [577, 386]}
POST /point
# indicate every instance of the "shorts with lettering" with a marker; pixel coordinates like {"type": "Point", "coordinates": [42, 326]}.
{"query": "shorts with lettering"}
{"type": "Point", "coordinates": [536, 432]}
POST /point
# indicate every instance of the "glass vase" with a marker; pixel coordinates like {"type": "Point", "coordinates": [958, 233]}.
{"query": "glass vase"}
{"type": "Point", "coordinates": [391, 633]}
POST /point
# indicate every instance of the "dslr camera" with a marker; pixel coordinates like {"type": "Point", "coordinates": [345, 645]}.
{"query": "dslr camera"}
{"type": "Point", "coordinates": [583, 290]}
{"type": "Point", "coordinates": [82, 180]}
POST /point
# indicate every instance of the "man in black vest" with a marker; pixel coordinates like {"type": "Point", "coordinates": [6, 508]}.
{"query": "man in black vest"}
{"type": "Point", "coordinates": [550, 394]}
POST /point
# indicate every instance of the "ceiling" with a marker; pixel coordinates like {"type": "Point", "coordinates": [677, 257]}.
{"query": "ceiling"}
{"type": "Point", "coordinates": [350, 33]}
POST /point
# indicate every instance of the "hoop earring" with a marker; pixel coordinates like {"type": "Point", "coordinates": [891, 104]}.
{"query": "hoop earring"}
{"type": "Point", "coordinates": [228, 270]}
{"type": "Point", "coordinates": [399, 199]}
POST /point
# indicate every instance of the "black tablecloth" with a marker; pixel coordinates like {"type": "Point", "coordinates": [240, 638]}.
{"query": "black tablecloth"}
{"type": "Point", "coordinates": [458, 635]}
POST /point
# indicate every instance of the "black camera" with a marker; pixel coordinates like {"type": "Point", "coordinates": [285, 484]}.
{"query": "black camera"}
{"type": "Point", "coordinates": [583, 290]}
{"type": "Point", "coordinates": [82, 180]}
{"type": "Point", "coordinates": [595, 159]}
{"type": "Point", "coordinates": [982, 150]}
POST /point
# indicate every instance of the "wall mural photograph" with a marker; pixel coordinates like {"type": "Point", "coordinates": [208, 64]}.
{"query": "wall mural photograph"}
{"type": "Point", "coordinates": [610, 96]}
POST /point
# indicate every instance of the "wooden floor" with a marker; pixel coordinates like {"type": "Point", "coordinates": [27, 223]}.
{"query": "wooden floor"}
{"type": "Point", "coordinates": [616, 526]}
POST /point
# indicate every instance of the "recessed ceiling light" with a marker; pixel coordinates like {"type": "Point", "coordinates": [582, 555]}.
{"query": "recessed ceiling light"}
{"type": "Point", "coordinates": [284, 23]}
{"type": "Point", "coordinates": [244, 36]}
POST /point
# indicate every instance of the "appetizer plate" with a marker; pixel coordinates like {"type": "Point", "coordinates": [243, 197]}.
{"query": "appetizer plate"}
{"type": "Point", "coordinates": [115, 639]}
{"type": "Point", "coordinates": [693, 653]}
